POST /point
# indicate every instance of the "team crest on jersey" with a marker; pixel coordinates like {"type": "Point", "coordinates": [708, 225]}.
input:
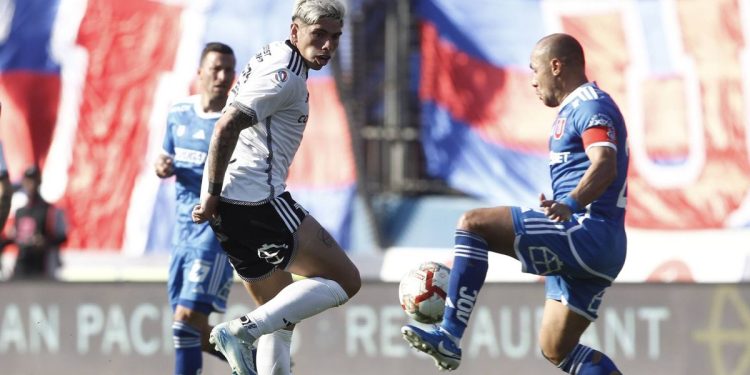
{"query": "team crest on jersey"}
{"type": "Point", "coordinates": [559, 127]}
{"type": "Point", "coordinates": [282, 76]}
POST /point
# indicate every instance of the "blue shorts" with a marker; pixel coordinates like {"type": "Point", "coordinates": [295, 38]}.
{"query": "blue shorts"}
{"type": "Point", "coordinates": [199, 278]}
{"type": "Point", "coordinates": [579, 258]}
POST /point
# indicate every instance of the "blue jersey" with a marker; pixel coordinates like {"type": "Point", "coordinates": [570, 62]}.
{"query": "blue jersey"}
{"type": "Point", "coordinates": [188, 135]}
{"type": "Point", "coordinates": [584, 108]}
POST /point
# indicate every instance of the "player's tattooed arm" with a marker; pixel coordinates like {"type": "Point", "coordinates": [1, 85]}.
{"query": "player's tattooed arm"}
{"type": "Point", "coordinates": [223, 141]}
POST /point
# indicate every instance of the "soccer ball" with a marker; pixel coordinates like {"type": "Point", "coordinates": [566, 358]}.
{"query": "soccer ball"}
{"type": "Point", "coordinates": [422, 292]}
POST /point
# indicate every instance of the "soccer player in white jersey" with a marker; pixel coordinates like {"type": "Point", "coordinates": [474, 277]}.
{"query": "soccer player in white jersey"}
{"type": "Point", "coordinates": [200, 275]}
{"type": "Point", "coordinates": [577, 238]}
{"type": "Point", "coordinates": [265, 233]}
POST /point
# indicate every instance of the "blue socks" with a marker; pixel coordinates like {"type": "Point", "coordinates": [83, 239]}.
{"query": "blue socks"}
{"type": "Point", "coordinates": [467, 277]}
{"type": "Point", "coordinates": [187, 347]}
{"type": "Point", "coordinates": [583, 360]}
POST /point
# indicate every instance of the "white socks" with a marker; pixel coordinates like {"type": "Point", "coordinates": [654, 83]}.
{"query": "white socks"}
{"type": "Point", "coordinates": [300, 300]}
{"type": "Point", "coordinates": [273, 356]}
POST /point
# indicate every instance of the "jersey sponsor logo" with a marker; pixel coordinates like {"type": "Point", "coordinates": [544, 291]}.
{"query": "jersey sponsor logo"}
{"type": "Point", "coordinates": [558, 128]}
{"type": "Point", "coordinates": [189, 156]}
{"type": "Point", "coordinates": [558, 157]}
{"type": "Point", "coordinates": [200, 134]}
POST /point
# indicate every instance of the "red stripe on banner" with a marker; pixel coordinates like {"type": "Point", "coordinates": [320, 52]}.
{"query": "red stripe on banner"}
{"type": "Point", "coordinates": [324, 159]}
{"type": "Point", "coordinates": [129, 43]}
{"type": "Point", "coordinates": [499, 103]}
{"type": "Point", "coordinates": [28, 119]}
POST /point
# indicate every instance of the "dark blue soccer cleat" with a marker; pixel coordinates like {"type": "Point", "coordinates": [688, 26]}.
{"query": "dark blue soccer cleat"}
{"type": "Point", "coordinates": [436, 343]}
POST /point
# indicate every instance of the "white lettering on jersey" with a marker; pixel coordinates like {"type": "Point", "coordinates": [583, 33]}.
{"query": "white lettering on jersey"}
{"type": "Point", "coordinates": [558, 157]}
{"type": "Point", "coordinates": [189, 156]}
{"type": "Point", "coordinates": [465, 304]}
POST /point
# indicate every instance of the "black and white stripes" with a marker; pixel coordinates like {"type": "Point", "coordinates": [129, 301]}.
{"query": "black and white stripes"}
{"type": "Point", "coordinates": [287, 213]}
{"type": "Point", "coordinates": [296, 63]}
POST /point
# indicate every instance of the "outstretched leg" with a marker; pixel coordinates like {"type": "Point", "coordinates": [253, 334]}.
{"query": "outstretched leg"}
{"type": "Point", "coordinates": [331, 279]}
{"type": "Point", "coordinates": [478, 231]}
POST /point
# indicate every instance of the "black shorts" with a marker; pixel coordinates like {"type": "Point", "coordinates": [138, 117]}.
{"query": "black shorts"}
{"type": "Point", "coordinates": [259, 238]}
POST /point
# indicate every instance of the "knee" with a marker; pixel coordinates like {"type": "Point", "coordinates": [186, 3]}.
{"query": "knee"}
{"type": "Point", "coordinates": [183, 314]}
{"type": "Point", "coordinates": [555, 353]}
{"type": "Point", "coordinates": [473, 221]}
{"type": "Point", "coordinates": [552, 356]}
{"type": "Point", "coordinates": [190, 317]}
{"type": "Point", "coordinates": [469, 221]}
{"type": "Point", "coordinates": [352, 284]}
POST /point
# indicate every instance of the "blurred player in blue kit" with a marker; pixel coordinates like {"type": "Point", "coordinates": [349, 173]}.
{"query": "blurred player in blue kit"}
{"type": "Point", "coordinates": [200, 275]}
{"type": "Point", "coordinates": [265, 233]}
{"type": "Point", "coordinates": [577, 240]}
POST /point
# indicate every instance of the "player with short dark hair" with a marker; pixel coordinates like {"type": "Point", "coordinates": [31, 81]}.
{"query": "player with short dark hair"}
{"type": "Point", "coordinates": [200, 275]}
{"type": "Point", "coordinates": [265, 233]}
{"type": "Point", "coordinates": [576, 240]}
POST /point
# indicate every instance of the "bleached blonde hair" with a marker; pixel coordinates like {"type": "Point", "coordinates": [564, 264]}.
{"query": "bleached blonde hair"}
{"type": "Point", "coordinates": [311, 11]}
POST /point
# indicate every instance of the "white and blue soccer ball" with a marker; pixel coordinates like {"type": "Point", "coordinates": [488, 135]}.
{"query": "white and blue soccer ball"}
{"type": "Point", "coordinates": [422, 292]}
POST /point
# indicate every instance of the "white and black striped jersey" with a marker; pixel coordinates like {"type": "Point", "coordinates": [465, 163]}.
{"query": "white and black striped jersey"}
{"type": "Point", "coordinates": [272, 90]}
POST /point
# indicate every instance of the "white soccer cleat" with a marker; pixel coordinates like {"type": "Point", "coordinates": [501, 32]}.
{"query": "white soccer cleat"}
{"type": "Point", "coordinates": [238, 352]}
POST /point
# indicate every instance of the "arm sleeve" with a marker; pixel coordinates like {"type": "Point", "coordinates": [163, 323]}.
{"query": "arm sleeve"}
{"type": "Point", "coordinates": [263, 95]}
{"type": "Point", "coordinates": [599, 136]}
{"type": "Point", "coordinates": [598, 129]}
{"type": "Point", "coordinates": [168, 144]}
